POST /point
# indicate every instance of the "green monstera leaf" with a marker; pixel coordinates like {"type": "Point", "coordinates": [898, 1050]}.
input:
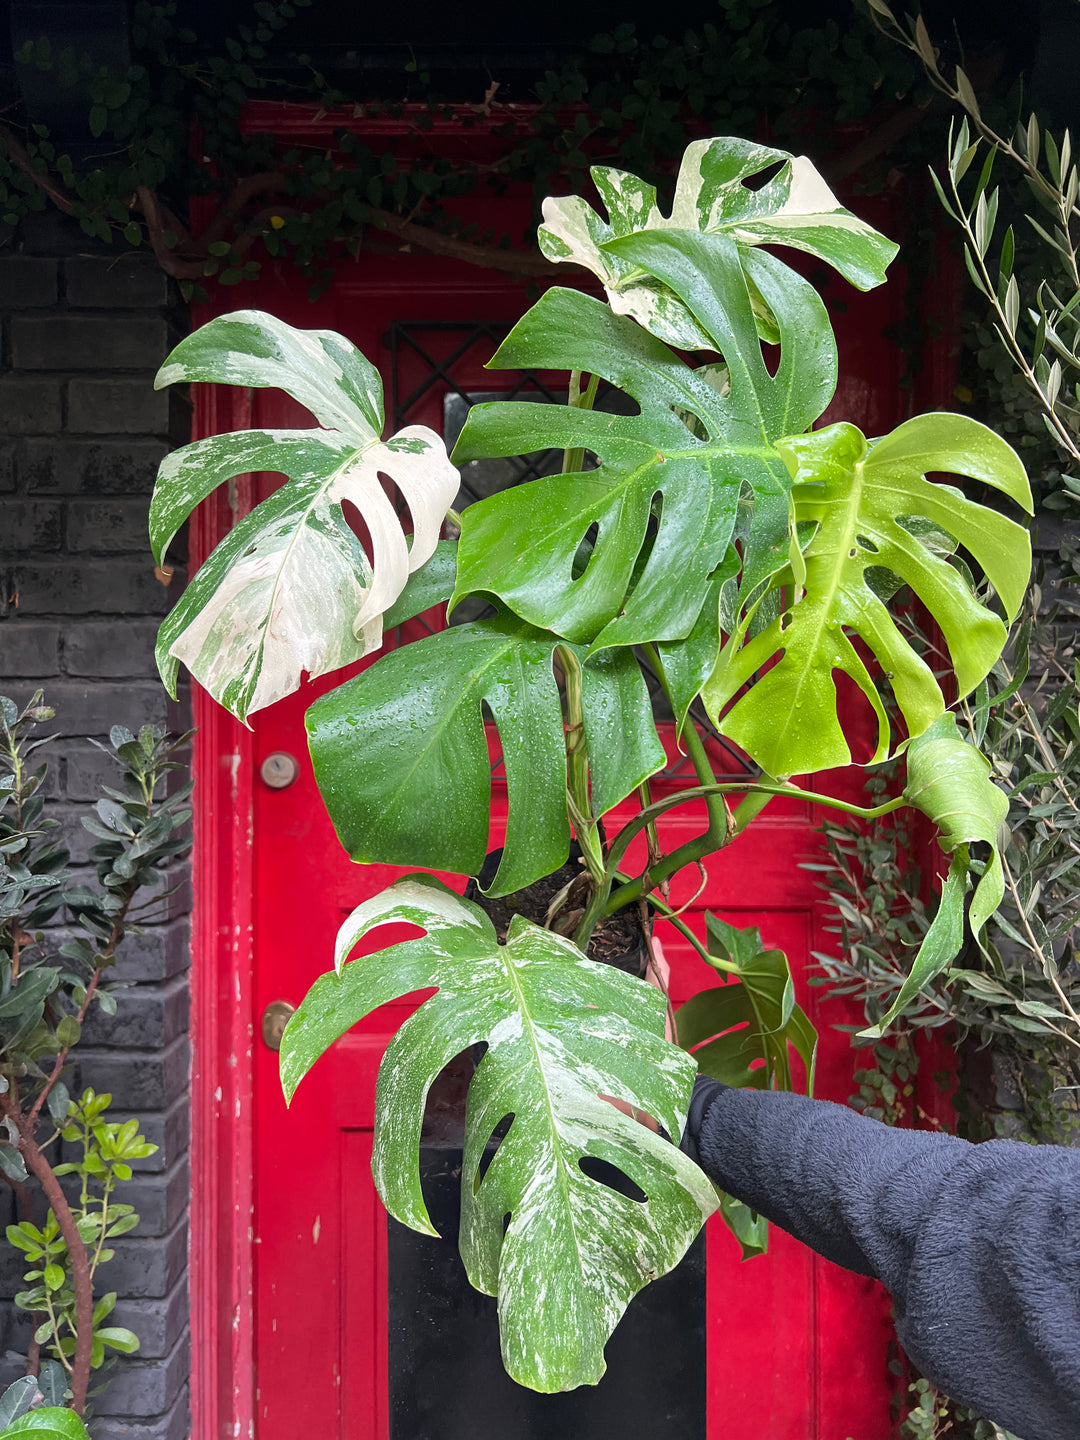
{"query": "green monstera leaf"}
{"type": "Point", "coordinates": [868, 509]}
{"type": "Point", "coordinates": [657, 473]}
{"type": "Point", "coordinates": [794, 208]}
{"type": "Point", "coordinates": [743, 1033]}
{"type": "Point", "coordinates": [560, 1032]}
{"type": "Point", "coordinates": [950, 781]}
{"type": "Point", "coordinates": [290, 589]}
{"type": "Point", "coordinates": [401, 755]}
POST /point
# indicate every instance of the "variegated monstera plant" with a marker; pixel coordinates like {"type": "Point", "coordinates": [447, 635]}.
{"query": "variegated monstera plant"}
{"type": "Point", "coordinates": [718, 539]}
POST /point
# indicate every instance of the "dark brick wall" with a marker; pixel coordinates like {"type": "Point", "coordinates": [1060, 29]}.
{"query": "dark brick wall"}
{"type": "Point", "coordinates": [81, 434]}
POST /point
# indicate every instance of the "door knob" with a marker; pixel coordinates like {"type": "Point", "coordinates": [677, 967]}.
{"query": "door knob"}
{"type": "Point", "coordinates": [279, 770]}
{"type": "Point", "coordinates": [273, 1022]}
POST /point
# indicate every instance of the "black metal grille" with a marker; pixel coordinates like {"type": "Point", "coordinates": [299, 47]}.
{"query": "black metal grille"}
{"type": "Point", "coordinates": [412, 341]}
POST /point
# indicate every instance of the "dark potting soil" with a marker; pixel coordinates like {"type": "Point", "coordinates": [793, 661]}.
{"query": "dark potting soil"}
{"type": "Point", "coordinates": [618, 940]}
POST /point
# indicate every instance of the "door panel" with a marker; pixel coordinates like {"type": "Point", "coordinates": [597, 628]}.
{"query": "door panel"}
{"type": "Point", "coordinates": [797, 1348]}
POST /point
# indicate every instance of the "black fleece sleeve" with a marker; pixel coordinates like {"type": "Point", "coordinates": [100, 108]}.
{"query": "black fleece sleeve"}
{"type": "Point", "coordinates": [979, 1245]}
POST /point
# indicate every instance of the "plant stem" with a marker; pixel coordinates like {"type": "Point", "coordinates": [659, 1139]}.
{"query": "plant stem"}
{"type": "Point", "coordinates": [82, 1284]}
{"type": "Point", "coordinates": [577, 768]}
{"type": "Point", "coordinates": [574, 459]}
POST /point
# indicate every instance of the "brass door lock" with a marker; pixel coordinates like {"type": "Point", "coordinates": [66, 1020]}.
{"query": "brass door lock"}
{"type": "Point", "coordinates": [273, 1022]}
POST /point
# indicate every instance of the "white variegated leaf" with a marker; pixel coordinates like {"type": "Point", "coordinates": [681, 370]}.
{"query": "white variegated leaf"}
{"type": "Point", "coordinates": [560, 1032]}
{"type": "Point", "coordinates": [290, 590]}
{"type": "Point", "coordinates": [795, 208]}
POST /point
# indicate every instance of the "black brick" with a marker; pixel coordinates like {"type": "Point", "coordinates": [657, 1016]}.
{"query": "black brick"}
{"type": "Point", "coordinates": [146, 1018]}
{"type": "Point", "coordinates": [7, 468]}
{"type": "Point", "coordinates": [140, 1081]}
{"type": "Point", "coordinates": [83, 709]}
{"type": "Point", "coordinates": [173, 1426]}
{"type": "Point", "coordinates": [117, 407]}
{"type": "Point", "coordinates": [159, 1324]}
{"type": "Point", "coordinates": [65, 587]}
{"type": "Point", "coordinates": [161, 952]}
{"type": "Point", "coordinates": [89, 342]}
{"type": "Point", "coordinates": [108, 525]}
{"type": "Point", "coordinates": [90, 467]}
{"type": "Point", "coordinates": [27, 525]}
{"type": "Point", "coordinates": [29, 407]}
{"type": "Point", "coordinates": [146, 1387]}
{"type": "Point", "coordinates": [112, 649]}
{"type": "Point", "coordinates": [128, 281]}
{"type": "Point", "coordinates": [147, 1269]}
{"type": "Point", "coordinates": [28, 647]}
{"type": "Point", "coordinates": [26, 281]}
{"type": "Point", "coordinates": [160, 1201]}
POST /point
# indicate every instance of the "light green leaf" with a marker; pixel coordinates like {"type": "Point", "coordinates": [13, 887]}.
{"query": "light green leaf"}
{"type": "Point", "coordinates": [749, 1228]}
{"type": "Point", "coordinates": [560, 1031]}
{"type": "Point", "coordinates": [950, 781]}
{"type": "Point", "coordinates": [48, 1423]}
{"type": "Point", "coordinates": [401, 757]}
{"type": "Point", "coordinates": [290, 589]}
{"type": "Point", "coordinates": [794, 208]}
{"type": "Point", "coordinates": [870, 505]}
{"type": "Point", "coordinates": [522, 545]}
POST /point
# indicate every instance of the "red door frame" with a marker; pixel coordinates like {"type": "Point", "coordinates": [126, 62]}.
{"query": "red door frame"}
{"type": "Point", "coordinates": [221, 1254]}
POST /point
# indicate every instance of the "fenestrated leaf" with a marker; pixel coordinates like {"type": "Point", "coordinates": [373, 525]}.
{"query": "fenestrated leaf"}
{"type": "Point", "coordinates": [795, 208]}
{"type": "Point", "coordinates": [290, 589]}
{"type": "Point", "coordinates": [560, 1030]}
{"type": "Point", "coordinates": [861, 499]}
{"type": "Point", "coordinates": [401, 756]}
{"type": "Point", "coordinates": [521, 545]}
{"type": "Point", "coordinates": [950, 781]}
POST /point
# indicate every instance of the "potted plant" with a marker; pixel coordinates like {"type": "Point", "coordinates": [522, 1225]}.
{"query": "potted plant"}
{"type": "Point", "coordinates": [714, 537]}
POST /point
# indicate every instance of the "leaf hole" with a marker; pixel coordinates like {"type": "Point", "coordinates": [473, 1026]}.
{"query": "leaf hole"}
{"type": "Point", "coordinates": [866, 544]}
{"type": "Point", "coordinates": [487, 1155]}
{"type": "Point", "coordinates": [604, 1173]}
{"type": "Point", "coordinates": [359, 527]}
{"type": "Point", "coordinates": [584, 552]}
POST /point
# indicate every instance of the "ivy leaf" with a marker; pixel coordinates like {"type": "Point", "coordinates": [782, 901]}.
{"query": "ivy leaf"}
{"type": "Point", "coordinates": [290, 589]}
{"type": "Point", "coordinates": [794, 208]}
{"type": "Point", "coordinates": [949, 781]}
{"type": "Point", "coordinates": [401, 757]}
{"type": "Point", "coordinates": [561, 1031]}
{"type": "Point", "coordinates": [868, 505]}
{"type": "Point", "coordinates": [682, 462]}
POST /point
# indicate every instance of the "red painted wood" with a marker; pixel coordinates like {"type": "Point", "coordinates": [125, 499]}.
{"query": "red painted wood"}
{"type": "Point", "coordinates": [288, 1253]}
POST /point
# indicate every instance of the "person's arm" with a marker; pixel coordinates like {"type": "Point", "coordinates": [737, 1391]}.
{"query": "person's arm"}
{"type": "Point", "coordinates": [979, 1245]}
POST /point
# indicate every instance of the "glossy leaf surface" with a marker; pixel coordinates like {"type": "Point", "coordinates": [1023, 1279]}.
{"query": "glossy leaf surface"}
{"type": "Point", "coordinates": [48, 1423]}
{"type": "Point", "coordinates": [742, 1032]}
{"type": "Point", "coordinates": [655, 468]}
{"type": "Point", "coordinates": [794, 207]}
{"type": "Point", "coordinates": [865, 507]}
{"type": "Point", "coordinates": [290, 589]}
{"type": "Point", "coordinates": [560, 1031]}
{"type": "Point", "coordinates": [950, 781]}
{"type": "Point", "coordinates": [401, 755]}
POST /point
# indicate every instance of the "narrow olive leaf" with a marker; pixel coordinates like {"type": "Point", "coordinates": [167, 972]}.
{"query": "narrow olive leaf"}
{"type": "Point", "coordinates": [871, 505]}
{"type": "Point", "coordinates": [521, 545]}
{"type": "Point", "coordinates": [290, 589]}
{"type": "Point", "coordinates": [950, 781]}
{"type": "Point", "coordinates": [401, 756]}
{"type": "Point", "coordinates": [561, 1031]}
{"type": "Point", "coordinates": [794, 208]}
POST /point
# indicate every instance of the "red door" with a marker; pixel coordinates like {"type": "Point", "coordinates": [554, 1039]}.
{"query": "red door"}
{"type": "Point", "coordinates": [797, 1348]}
